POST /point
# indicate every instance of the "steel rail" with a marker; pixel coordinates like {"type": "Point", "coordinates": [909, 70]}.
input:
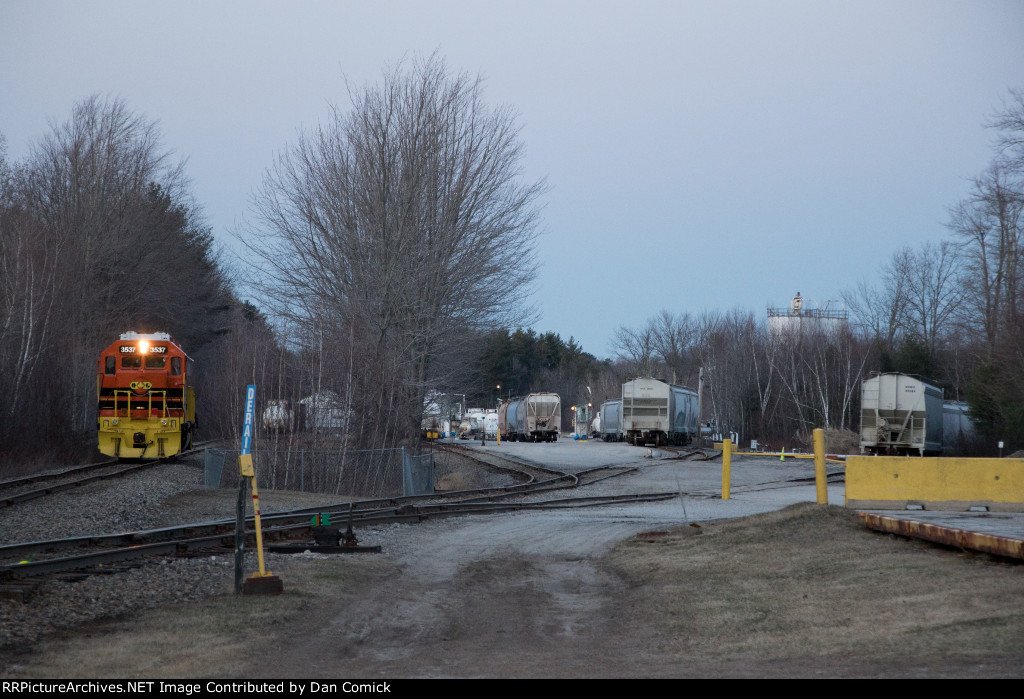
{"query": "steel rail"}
{"type": "Point", "coordinates": [25, 496]}
{"type": "Point", "coordinates": [183, 539]}
{"type": "Point", "coordinates": [224, 539]}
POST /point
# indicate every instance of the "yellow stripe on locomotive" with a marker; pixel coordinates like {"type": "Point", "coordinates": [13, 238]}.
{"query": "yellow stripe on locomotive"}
{"type": "Point", "coordinates": [145, 407]}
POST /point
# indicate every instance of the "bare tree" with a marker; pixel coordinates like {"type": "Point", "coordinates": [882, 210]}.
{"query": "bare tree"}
{"type": "Point", "coordinates": [989, 229]}
{"type": "Point", "coordinates": [28, 295]}
{"type": "Point", "coordinates": [989, 226]}
{"type": "Point", "coordinates": [99, 235]}
{"type": "Point", "coordinates": [637, 348]}
{"type": "Point", "coordinates": [819, 369]}
{"type": "Point", "coordinates": [403, 221]}
{"type": "Point", "coordinates": [882, 310]}
{"type": "Point", "coordinates": [1009, 124]}
{"type": "Point", "coordinates": [675, 339]}
{"type": "Point", "coordinates": [934, 296]}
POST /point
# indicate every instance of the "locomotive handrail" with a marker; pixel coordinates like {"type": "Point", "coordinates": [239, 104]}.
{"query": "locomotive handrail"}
{"type": "Point", "coordinates": [163, 395]}
{"type": "Point", "coordinates": [128, 397]}
{"type": "Point", "coordinates": [149, 408]}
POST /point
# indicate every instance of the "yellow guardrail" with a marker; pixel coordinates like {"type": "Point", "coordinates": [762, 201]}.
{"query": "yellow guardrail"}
{"type": "Point", "coordinates": [820, 477]}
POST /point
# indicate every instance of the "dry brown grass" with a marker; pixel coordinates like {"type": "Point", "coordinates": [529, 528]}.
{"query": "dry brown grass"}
{"type": "Point", "coordinates": [803, 592]}
{"type": "Point", "coordinates": [811, 587]}
{"type": "Point", "coordinates": [842, 442]}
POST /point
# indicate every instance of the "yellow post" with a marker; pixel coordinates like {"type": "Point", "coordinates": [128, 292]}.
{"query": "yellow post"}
{"type": "Point", "coordinates": [783, 457]}
{"type": "Point", "coordinates": [820, 479]}
{"type": "Point", "coordinates": [726, 467]}
{"type": "Point", "coordinates": [264, 582]}
{"type": "Point", "coordinates": [259, 529]}
{"type": "Point", "coordinates": [249, 473]}
{"type": "Point", "coordinates": [499, 436]}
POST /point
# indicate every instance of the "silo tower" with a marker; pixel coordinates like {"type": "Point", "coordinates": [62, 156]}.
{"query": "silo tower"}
{"type": "Point", "coordinates": [805, 316]}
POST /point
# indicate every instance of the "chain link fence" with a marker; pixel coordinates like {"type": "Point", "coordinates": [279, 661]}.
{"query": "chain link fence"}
{"type": "Point", "coordinates": [363, 473]}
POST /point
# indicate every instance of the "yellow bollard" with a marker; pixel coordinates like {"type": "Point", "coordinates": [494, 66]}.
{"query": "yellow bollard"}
{"type": "Point", "coordinates": [726, 467]}
{"type": "Point", "coordinates": [820, 477]}
{"type": "Point", "coordinates": [783, 457]}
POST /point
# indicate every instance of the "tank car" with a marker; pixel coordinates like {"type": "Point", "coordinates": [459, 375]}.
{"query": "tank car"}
{"type": "Point", "coordinates": [611, 420]}
{"type": "Point", "coordinates": [536, 417]}
{"type": "Point", "coordinates": [490, 424]}
{"type": "Point", "coordinates": [900, 414]}
{"type": "Point", "coordinates": [657, 412]}
{"type": "Point", "coordinates": [145, 406]}
{"type": "Point", "coordinates": [472, 424]}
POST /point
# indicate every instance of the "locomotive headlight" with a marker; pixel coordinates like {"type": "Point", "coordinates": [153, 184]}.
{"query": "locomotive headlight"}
{"type": "Point", "coordinates": [164, 423]}
{"type": "Point", "coordinates": [115, 421]}
{"type": "Point", "coordinates": [143, 346]}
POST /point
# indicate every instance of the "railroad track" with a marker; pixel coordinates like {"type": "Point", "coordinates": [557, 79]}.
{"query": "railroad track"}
{"type": "Point", "coordinates": [19, 490]}
{"type": "Point", "coordinates": [691, 453]}
{"type": "Point", "coordinates": [91, 554]}
{"type": "Point", "coordinates": [29, 559]}
{"type": "Point", "coordinates": [540, 487]}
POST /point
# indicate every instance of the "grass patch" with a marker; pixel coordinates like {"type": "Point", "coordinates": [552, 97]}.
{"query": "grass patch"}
{"type": "Point", "coordinates": [811, 580]}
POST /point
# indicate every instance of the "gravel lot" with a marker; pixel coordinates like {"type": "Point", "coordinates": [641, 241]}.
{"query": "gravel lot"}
{"type": "Point", "coordinates": [616, 591]}
{"type": "Point", "coordinates": [174, 494]}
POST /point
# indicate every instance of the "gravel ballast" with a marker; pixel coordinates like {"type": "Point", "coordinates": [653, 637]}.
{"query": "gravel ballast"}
{"type": "Point", "coordinates": [158, 497]}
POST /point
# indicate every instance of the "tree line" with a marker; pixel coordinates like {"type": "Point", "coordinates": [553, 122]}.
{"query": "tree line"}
{"type": "Point", "coordinates": [391, 250]}
{"type": "Point", "coordinates": [98, 235]}
{"type": "Point", "coordinates": [949, 310]}
{"type": "Point", "coordinates": [383, 246]}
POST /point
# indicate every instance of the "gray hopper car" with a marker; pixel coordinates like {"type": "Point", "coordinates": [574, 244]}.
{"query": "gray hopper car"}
{"type": "Point", "coordinates": [611, 420]}
{"type": "Point", "coordinates": [900, 414]}
{"type": "Point", "coordinates": [536, 417]}
{"type": "Point", "coordinates": [657, 412]}
{"type": "Point", "coordinates": [957, 427]}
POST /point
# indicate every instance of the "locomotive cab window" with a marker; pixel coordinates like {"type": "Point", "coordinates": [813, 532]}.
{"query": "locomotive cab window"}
{"type": "Point", "coordinates": [110, 365]}
{"type": "Point", "coordinates": [155, 362]}
{"type": "Point", "coordinates": [176, 366]}
{"type": "Point", "coordinates": [131, 362]}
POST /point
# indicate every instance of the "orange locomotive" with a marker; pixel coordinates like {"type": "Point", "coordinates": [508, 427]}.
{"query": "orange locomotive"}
{"type": "Point", "coordinates": [146, 409]}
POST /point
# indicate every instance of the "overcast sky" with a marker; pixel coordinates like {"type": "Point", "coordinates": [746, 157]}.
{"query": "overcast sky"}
{"type": "Point", "coordinates": [700, 155]}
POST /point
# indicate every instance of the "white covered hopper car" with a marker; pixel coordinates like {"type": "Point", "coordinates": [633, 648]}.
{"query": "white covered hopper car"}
{"type": "Point", "coordinates": [900, 414]}
{"type": "Point", "coordinates": [655, 412]}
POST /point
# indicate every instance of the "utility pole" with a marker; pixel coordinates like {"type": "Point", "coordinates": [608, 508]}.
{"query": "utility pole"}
{"type": "Point", "coordinates": [700, 406]}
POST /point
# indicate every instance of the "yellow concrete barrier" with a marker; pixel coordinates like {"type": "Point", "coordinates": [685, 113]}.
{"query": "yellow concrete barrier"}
{"type": "Point", "coordinates": [894, 482]}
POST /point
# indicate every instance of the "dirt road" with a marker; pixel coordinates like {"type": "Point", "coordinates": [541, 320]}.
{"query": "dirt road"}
{"type": "Point", "coordinates": [629, 591]}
